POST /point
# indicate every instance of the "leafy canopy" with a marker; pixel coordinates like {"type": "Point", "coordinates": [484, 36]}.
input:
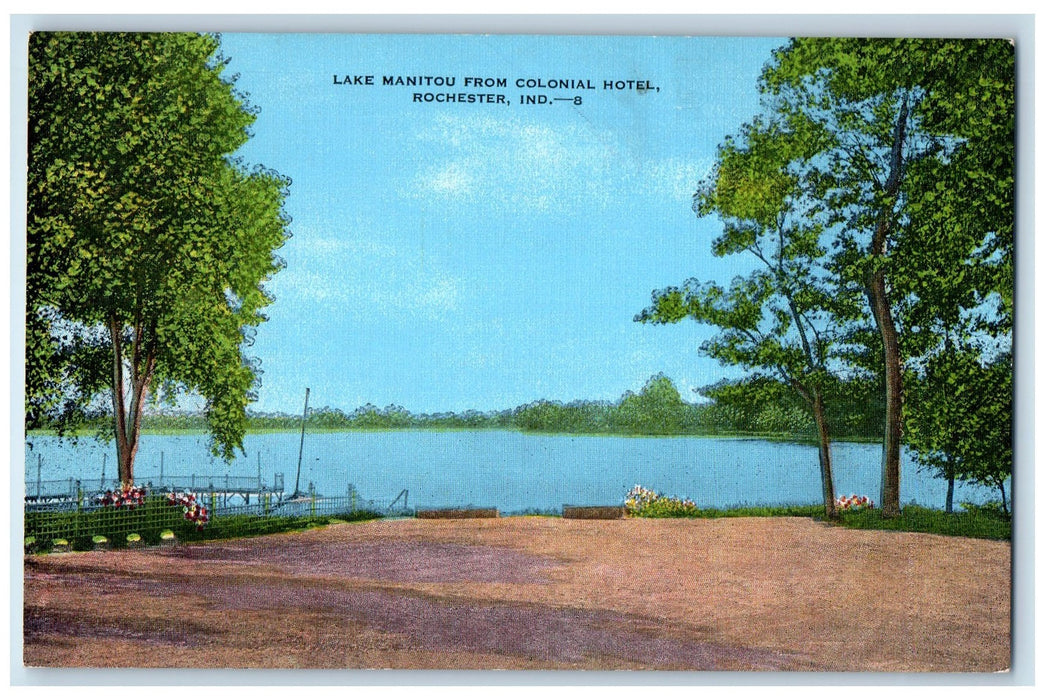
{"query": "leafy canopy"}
{"type": "Point", "coordinates": [141, 228]}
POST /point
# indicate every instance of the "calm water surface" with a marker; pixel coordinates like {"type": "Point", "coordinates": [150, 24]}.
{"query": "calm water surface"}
{"type": "Point", "coordinates": [512, 471]}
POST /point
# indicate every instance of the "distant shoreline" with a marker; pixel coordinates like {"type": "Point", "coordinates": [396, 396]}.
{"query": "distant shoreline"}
{"type": "Point", "coordinates": [771, 437]}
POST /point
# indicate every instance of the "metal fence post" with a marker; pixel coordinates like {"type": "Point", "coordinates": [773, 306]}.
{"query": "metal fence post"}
{"type": "Point", "coordinates": [78, 527]}
{"type": "Point", "coordinates": [312, 498]}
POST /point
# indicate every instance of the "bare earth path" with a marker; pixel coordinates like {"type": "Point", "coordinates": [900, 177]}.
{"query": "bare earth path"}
{"type": "Point", "coordinates": [544, 593]}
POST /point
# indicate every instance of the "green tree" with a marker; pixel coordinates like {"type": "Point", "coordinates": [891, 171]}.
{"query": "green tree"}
{"type": "Point", "coordinates": [148, 246]}
{"type": "Point", "coordinates": [783, 318]}
{"type": "Point", "coordinates": [657, 409]}
{"type": "Point", "coordinates": [960, 424]}
{"type": "Point", "coordinates": [915, 181]}
{"type": "Point", "coordinates": [741, 405]}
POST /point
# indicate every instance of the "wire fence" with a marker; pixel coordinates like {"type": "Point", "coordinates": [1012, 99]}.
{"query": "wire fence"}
{"type": "Point", "coordinates": [64, 515]}
{"type": "Point", "coordinates": [56, 527]}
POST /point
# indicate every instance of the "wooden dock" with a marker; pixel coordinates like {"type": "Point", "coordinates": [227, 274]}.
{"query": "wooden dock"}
{"type": "Point", "coordinates": [221, 487]}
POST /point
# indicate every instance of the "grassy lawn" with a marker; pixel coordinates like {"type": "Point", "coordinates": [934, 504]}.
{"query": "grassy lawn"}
{"type": "Point", "coordinates": [985, 522]}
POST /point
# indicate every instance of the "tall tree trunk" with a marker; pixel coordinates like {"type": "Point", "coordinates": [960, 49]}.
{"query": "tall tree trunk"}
{"type": "Point", "coordinates": [1004, 503]}
{"type": "Point", "coordinates": [890, 493]}
{"type": "Point", "coordinates": [826, 474]}
{"type": "Point", "coordinates": [881, 307]}
{"type": "Point", "coordinates": [128, 419]}
{"type": "Point", "coordinates": [124, 451]}
{"type": "Point", "coordinates": [815, 398]}
{"type": "Point", "coordinates": [948, 459]}
{"type": "Point", "coordinates": [949, 506]}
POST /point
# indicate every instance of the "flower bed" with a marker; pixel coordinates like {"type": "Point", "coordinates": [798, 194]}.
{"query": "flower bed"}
{"type": "Point", "coordinates": [853, 503]}
{"type": "Point", "coordinates": [194, 512]}
{"type": "Point", "coordinates": [127, 497]}
{"type": "Point", "coordinates": [119, 513]}
{"type": "Point", "coordinates": [646, 503]}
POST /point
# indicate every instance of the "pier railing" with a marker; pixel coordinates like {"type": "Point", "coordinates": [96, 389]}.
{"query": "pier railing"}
{"type": "Point", "coordinates": [216, 483]}
{"type": "Point", "coordinates": [40, 492]}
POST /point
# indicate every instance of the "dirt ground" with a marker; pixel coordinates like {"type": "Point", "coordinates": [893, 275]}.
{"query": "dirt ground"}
{"type": "Point", "coordinates": [532, 593]}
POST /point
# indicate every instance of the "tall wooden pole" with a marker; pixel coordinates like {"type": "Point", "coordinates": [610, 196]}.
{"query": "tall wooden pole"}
{"type": "Point", "coordinates": [301, 449]}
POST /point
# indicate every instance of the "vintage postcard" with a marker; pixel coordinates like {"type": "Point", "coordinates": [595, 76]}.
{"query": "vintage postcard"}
{"type": "Point", "coordinates": [480, 352]}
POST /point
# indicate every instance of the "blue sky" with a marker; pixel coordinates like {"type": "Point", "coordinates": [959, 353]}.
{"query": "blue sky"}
{"type": "Point", "coordinates": [457, 256]}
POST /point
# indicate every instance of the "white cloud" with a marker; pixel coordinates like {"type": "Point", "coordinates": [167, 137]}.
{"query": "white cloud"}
{"type": "Point", "coordinates": [514, 165]}
{"type": "Point", "coordinates": [359, 275]}
{"type": "Point", "coordinates": [510, 164]}
{"type": "Point", "coordinates": [451, 180]}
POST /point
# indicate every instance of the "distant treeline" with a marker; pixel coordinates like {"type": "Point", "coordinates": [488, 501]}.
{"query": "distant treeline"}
{"type": "Point", "coordinates": [758, 407]}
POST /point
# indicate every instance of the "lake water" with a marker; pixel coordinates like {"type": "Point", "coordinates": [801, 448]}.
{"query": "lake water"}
{"type": "Point", "coordinates": [513, 471]}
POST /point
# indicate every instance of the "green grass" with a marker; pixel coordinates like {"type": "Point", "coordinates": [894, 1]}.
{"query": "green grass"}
{"type": "Point", "coordinates": [980, 522]}
{"type": "Point", "coordinates": [231, 526]}
{"type": "Point", "coordinates": [763, 512]}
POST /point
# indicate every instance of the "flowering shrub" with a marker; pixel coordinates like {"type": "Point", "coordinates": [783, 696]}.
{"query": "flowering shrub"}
{"type": "Point", "coordinates": [646, 503]}
{"type": "Point", "coordinates": [129, 496]}
{"type": "Point", "coordinates": [638, 498]}
{"type": "Point", "coordinates": [854, 503]}
{"type": "Point", "coordinates": [194, 512]}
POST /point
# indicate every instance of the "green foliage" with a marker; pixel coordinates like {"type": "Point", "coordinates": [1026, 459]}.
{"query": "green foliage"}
{"type": "Point", "coordinates": [656, 410]}
{"type": "Point", "coordinates": [646, 503]}
{"type": "Point", "coordinates": [231, 526]}
{"type": "Point", "coordinates": [786, 320]}
{"type": "Point", "coordinates": [982, 523]}
{"type": "Point", "coordinates": [762, 405]}
{"type": "Point", "coordinates": [81, 528]}
{"type": "Point", "coordinates": [758, 407]}
{"type": "Point", "coordinates": [915, 185]}
{"type": "Point", "coordinates": [985, 522]}
{"type": "Point", "coordinates": [992, 509]}
{"type": "Point", "coordinates": [555, 417]}
{"type": "Point", "coordinates": [147, 245]}
{"type": "Point", "coordinates": [754, 407]}
{"type": "Point", "coordinates": [816, 512]}
{"type": "Point", "coordinates": [960, 417]}
{"type": "Point", "coordinates": [951, 244]}
{"type": "Point", "coordinates": [767, 406]}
